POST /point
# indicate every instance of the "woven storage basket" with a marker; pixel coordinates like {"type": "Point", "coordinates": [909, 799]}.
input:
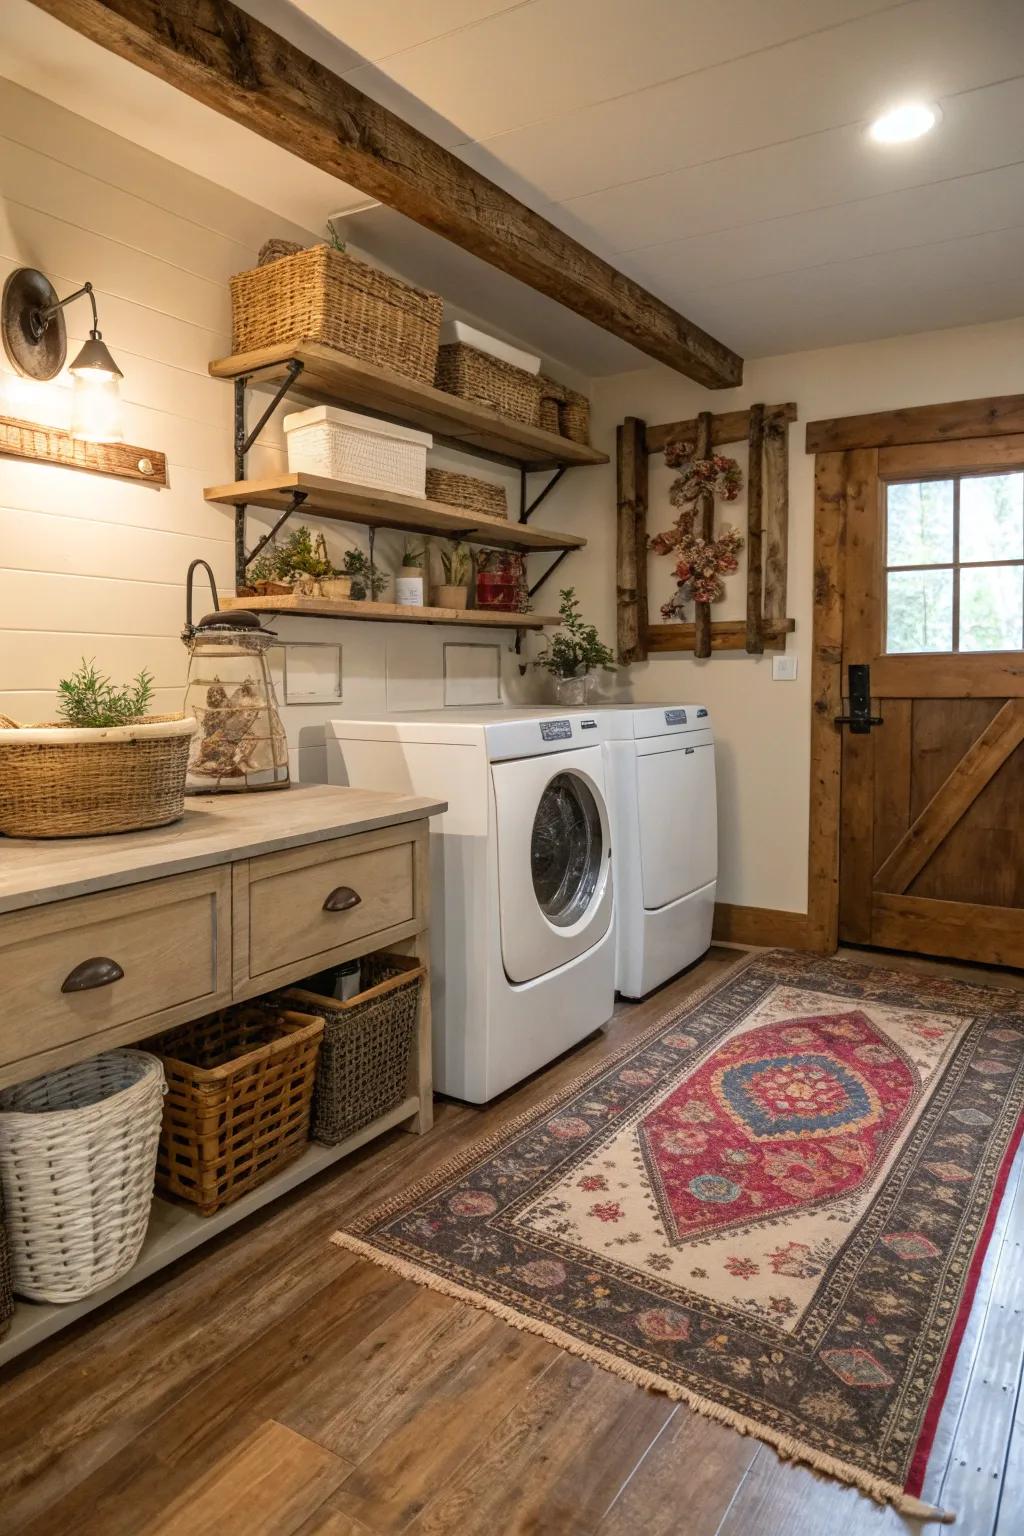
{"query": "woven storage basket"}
{"type": "Point", "coordinates": [574, 417]}
{"type": "Point", "coordinates": [6, 1293]}
{"type": "Point", "coordinates": [327, 296]}
{"type": "Point", "coordinates": [474, 375]}
{"type": "Point", "coordinates": [552, 394]}
{"type": "Point", "coordinates": [77, 1153]}
{"type": "Point", "coordinates": [66, 781]}
{"type": "Point", "coordinates": [466, 491]}
{"type": "Point", "coordinates": [368, 1040]}
{"type": "Point", "coordinates": [239, 1085]}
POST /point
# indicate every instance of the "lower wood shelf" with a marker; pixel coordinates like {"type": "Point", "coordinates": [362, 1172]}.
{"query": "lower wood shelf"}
{"type": "Point", "coordinates": [174, 1230]}
{"type": "Point", "coordinates": [390, 613]}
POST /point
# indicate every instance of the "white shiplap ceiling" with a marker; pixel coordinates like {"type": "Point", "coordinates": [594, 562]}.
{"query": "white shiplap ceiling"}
{"type": "Point", "coordinates": [717, 153]}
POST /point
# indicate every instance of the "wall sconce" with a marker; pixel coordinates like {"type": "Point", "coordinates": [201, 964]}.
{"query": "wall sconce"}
{"type": "Point", "coordinates": [35, 340]}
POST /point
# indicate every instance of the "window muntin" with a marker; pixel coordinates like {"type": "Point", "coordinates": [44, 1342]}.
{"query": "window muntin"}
{"type": "Point", "coordinates": [954, 571]}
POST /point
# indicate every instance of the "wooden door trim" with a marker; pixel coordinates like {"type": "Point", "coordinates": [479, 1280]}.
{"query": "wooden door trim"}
{"type": "Point", "coordinates": [954, 797]}
{"type": "Point", "coordinates": [831, 442]}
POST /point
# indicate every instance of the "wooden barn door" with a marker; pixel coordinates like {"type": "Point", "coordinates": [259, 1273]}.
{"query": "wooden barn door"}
{"type": "Point", "coordinates": [932, 808]}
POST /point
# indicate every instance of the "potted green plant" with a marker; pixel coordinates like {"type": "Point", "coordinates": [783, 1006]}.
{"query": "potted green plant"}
{"type": "Point", "coordinates": [304, 563]}
{"type": "Point", "coordinates": [367, 581]}
{"type": "Point", "coordinates": [409, 583]}
{"type": "Point", "coordinates": [105, 766]}
{"type": "Point", "coordinates": [456, 565]}
{"type": "Point", "coordinates": [574, 653]}
{"type": "Point", "coordinates": [262, 577]}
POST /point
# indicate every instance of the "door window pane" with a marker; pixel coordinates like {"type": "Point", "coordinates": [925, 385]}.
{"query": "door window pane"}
{"type": "Point", "coordinates": [920, 523]}
{"type": "Point", "coordinates": [919, 611]}
{"type": "Point", "coordinates": [991, 608]}
{"type": "Point", "coordinates": [991, 520]}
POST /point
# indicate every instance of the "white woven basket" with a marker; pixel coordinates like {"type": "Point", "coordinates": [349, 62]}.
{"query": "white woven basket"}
{"type": "Point", "coordinates": [77, 1157]}
{"type": "Point", "coordinates": [342, 445]}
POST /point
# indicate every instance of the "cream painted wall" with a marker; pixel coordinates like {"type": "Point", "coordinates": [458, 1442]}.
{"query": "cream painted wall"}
{"type": "Point", "coordinates": [762, 726]}
{"type": "Point", "coordinates": [94, 567]}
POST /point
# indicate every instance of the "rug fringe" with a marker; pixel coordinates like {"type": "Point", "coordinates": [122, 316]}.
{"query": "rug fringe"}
{"type": "Point", "coordinates": [787, 1447]}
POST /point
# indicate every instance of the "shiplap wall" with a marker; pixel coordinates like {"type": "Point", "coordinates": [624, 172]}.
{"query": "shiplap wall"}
{"type": "Point", "coordinates": [92, 566]}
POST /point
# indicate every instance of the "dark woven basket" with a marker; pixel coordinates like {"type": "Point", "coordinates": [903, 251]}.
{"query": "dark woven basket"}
{"type": "Point", "coordinates": [574, 417]}
{"type": "Point", "coordinates": [552, 395]}
{"type": "Point", "coordinates": [363, 1070]}
{"type": "Point", "coordinates": [473, 375]}
{"type": "Point", "coordinates": [6, 1294]}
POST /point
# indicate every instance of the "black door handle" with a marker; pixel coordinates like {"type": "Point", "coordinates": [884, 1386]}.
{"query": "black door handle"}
{"type": "Point", "coordinates": [342, 899]}
{"type": "Point", "coordinates": [97, 972]}
{"type": "Point", "coordinates": [860, 719]}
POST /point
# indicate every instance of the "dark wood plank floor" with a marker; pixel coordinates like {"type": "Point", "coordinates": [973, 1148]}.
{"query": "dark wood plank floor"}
{"type": "Point", "coordinates": [275, 1385]}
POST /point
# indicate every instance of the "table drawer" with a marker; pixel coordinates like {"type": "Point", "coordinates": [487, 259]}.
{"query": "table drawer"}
{"type": "Point", "coordinates": [309, 901]}
{"type": "Point", "coordinates": [113, 967]}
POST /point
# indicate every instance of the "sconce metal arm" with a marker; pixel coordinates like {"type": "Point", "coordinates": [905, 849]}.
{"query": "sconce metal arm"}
{"type": "Point", "coordinates": [42, 317]}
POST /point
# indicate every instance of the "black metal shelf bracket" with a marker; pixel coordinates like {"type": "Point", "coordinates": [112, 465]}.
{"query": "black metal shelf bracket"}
{"type": "Point", "coordinates": [552, 568]}
{"type": "Point", "coordinates": [244, 442]}
{"type": "Point", "coordinates": [527, 511]}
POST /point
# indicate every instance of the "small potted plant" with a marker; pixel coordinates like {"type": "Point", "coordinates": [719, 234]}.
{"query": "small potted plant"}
{"type": "Point", "coordinates": [367, 581]}
{"type": "Point", "coordinates": [105, 766]}
{"type": "Point", "coordinates": [409, 583]}
{"type": "Point", "coordinates": [455, 567]}
{"type": "Point", "coordinates": [262, 579]}
{"type": "Point", "coordinates": [303, 561]}
{"type": "Point", "coordinates": [574, 653]}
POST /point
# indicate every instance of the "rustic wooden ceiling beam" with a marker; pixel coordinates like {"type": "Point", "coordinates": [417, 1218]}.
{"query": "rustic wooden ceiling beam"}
{"type": "Point", "coordinates": [231, 62]}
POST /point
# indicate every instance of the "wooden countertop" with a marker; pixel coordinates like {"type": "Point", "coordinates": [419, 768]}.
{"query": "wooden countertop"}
{"type": "Point", "coordinates": [216, 829]}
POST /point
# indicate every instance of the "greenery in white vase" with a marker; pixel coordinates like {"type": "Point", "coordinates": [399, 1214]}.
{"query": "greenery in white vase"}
{"type": "Point", "coordinates": [575, 648]}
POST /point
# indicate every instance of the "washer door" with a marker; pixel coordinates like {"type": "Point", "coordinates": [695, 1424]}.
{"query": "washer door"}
{"type": "Point", "coordinates": [554, 872]}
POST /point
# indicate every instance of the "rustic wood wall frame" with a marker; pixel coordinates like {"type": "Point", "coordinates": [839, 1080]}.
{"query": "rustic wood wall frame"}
{"type": "Point", "coordinates": [765, 428]}
{"type": "Point", "coordinates": [50, 445]}
{"type": "Point", "coordinates": [841, 446]}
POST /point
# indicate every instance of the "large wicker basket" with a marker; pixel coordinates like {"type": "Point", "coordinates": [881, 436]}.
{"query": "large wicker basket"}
{"type": "Point", "coordinates": [77, 1153]}
{"type": "Point", "coordinates": [477, 376]}
{"type": "Point", "coordinates": [327, 296]}
{"type": "Point", "coordinates": [68, 781]}
{"type": "Point", "coordinates": [368, 1041]}
{"type": "Point", "coordinates": [466, 491]}
{"type": "Point", "coordinates": [239, 1086]}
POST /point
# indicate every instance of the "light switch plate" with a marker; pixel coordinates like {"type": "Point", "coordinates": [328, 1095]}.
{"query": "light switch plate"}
{"type": "Point", "coordinates": [783, 669]}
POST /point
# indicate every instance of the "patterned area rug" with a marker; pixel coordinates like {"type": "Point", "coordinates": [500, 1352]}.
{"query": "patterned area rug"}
{"type": "Point", "coordinates": [773, 1206]}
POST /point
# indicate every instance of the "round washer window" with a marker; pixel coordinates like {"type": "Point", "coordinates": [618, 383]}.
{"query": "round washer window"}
{"type": "Point", "coordinates": [566, 849]}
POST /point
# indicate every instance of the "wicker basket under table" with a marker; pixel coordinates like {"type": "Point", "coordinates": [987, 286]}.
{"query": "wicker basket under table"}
{"type": "Point", "coordinates": [368, 1042]}
{"type": "Point", "coordinates": [327, 296]}
{"type": "Point", "coordinates": [466, 491]}
{"type": "Point", "coordinates": [473, 375]}
{"type": "Point", "coordinates": [6, 1293]}
{"type": "Point", "coordinates": [239, 1087]}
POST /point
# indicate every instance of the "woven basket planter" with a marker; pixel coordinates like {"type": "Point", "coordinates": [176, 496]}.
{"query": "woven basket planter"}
{"type": "Point", "coordinates": [327, 296]}
{"type": "Point", "coordinates": [368, 1041]}
{"type": "Point", "coordinates": [466, 491]}
{"type": "Point", "coordinates": [67, 781]}
{"type": "Point", "coordinates": [552, 394]}
{"type": "Point", "coordinates": [77, 1153]}
{"type": "Point", "coordinates": [474, 375]}
{"type": "Point", "coordinates": [574, 417]}
{"type": "Point", "coordinates": [239, 1086]}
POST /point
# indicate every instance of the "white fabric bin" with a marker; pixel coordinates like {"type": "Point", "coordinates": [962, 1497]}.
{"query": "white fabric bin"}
{"type": "Point", "coordinates": [342, 445]}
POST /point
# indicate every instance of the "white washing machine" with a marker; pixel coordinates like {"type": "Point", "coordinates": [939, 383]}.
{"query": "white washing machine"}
{"type": "Point", "coordinates": [522, 939]}
{"type": "Point", "coordinates": [661, 783]}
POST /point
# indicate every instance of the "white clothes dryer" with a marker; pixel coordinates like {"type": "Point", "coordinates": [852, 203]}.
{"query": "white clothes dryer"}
{"type": "Point", "coordinates": [522, 937]}
{"type": "Point", "coordinates": [661, 780]}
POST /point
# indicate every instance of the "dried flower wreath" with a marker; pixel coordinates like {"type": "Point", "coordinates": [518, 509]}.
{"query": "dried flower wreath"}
{"type": "Point", "coordinates": [700, 563]}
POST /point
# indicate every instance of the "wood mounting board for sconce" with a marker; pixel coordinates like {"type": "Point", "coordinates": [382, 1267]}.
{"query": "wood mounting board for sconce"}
{"type": "Point", "coordinates": [766, 625]}
{"type": "Point", "coordinates": [50, 445]}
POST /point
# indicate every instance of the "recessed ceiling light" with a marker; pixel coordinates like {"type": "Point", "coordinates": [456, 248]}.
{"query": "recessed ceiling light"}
{"type": "Point", "coordinates": [904, 123]}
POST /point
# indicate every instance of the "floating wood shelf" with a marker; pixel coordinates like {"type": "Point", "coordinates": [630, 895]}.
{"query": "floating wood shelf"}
{"type": "Point", "coordinates": [50, 445]}
{"type": "Point", "coordinates": [342, 380]}
{"type": "Point", "coordinates": [726, 635]}
{"type": "Point", "coordinates": [390, 613]}
{"type": "Point", "coordinates": [387, 509]}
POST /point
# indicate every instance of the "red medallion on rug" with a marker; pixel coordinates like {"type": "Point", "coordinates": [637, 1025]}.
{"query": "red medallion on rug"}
{"type": "Point", "coordinates": [787, 1115]}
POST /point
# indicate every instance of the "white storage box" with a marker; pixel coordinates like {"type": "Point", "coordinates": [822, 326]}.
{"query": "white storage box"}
{"type": "Point", "coordinates": [342, 445]}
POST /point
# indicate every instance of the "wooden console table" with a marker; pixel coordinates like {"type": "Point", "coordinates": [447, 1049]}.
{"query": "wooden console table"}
{"type": "Point", "coordinates": [226, 904]}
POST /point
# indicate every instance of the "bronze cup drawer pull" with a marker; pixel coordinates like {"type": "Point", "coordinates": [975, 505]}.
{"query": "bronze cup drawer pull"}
{"type": "Point", "coordinates": [342, 899]}
{"type": "Point", "coordinates": [97, 972]}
